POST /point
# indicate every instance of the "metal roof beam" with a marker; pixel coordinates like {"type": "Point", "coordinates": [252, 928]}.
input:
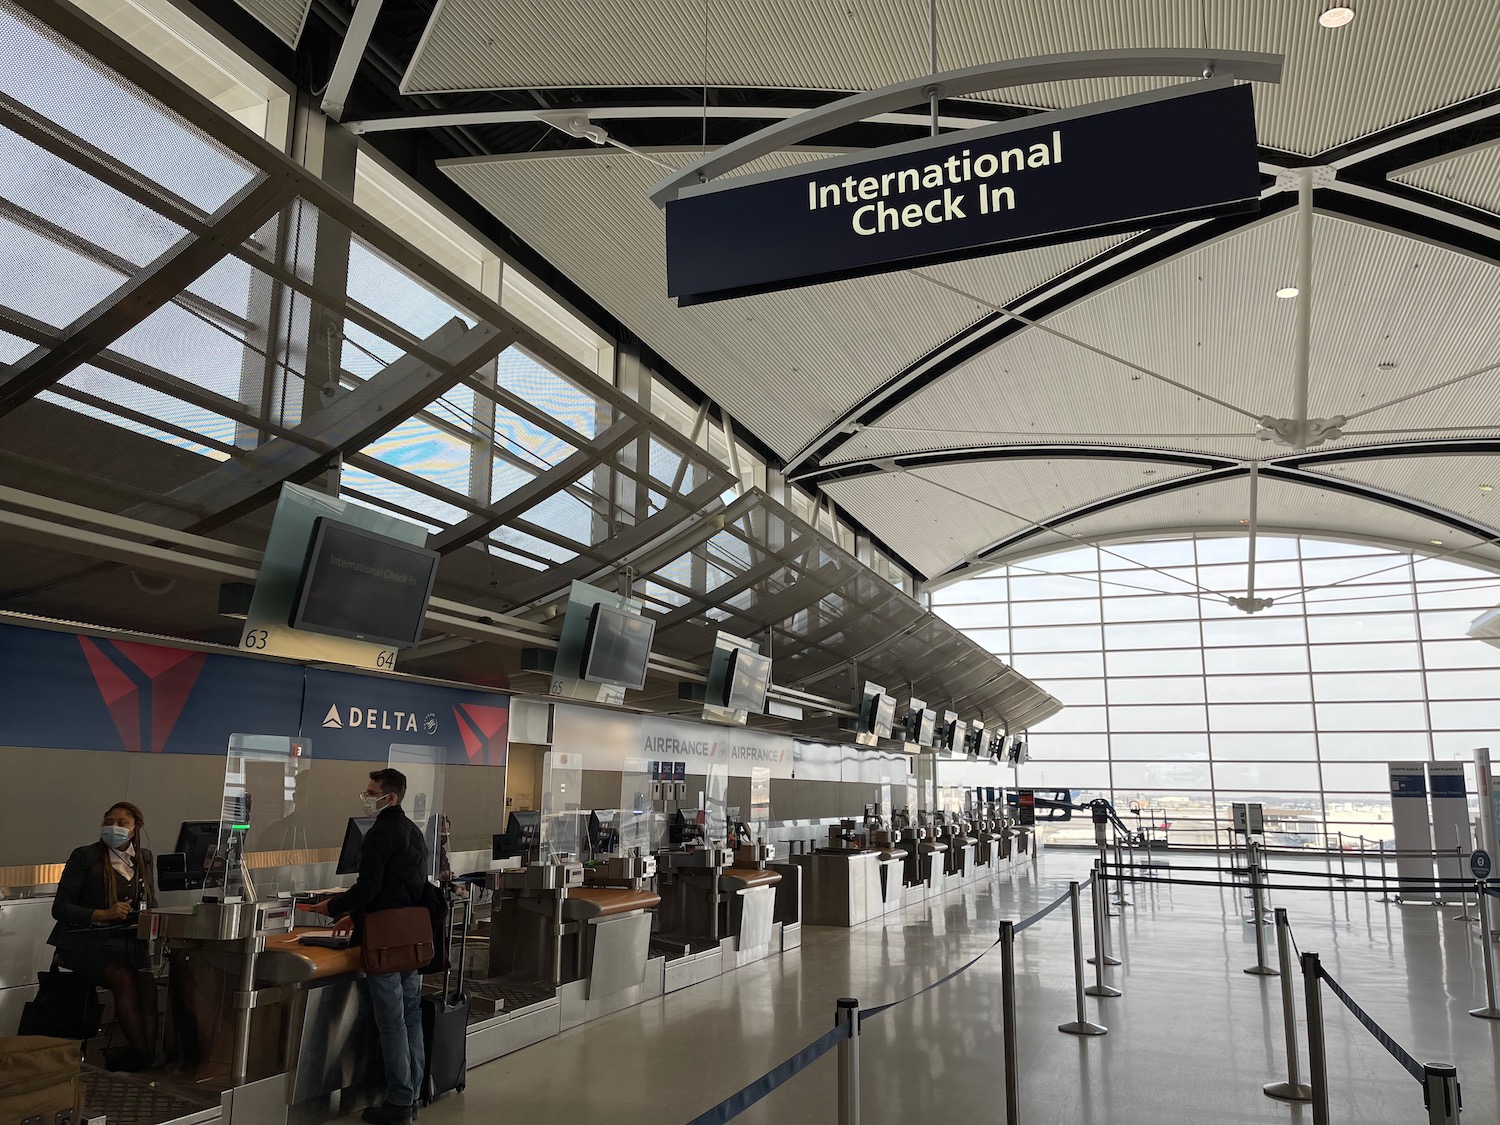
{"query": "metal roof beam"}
{"type": "Point", "coordinates": [1168, 62]}
{"type": "Point", "coordinates": [149, 290]}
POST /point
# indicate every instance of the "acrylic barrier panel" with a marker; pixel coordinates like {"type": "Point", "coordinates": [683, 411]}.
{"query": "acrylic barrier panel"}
{"type": "Point", "coordinates": [258, 813]}
{"type": "Point", "coordinates": [760, 801]}
{"type": "Point", "coordinates": [563, 815]}
{"type": "Point", "coordinates": [642, 830]}
{"type": "Point", "coordinates": [885, 810]}
{"type": "Point", "coordinates": [423, 767]}
{"type": "Point", "coordinates": [716, 805]}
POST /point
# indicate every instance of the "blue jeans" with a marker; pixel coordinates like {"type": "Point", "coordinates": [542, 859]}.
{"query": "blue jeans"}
{"type": "Point", "coordinates": [397, 1000]}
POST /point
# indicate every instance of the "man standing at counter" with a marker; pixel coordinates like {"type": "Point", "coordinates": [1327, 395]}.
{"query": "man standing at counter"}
{"type": "Point", "coordinates": [391, 875]}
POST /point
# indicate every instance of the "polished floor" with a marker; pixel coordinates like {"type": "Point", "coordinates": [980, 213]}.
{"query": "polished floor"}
{"type": "Point", "coordinates": [1192, 1039]}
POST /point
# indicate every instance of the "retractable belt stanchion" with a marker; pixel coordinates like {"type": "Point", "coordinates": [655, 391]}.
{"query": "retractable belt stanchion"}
{"type": "Point", "coordinates": [1490, 1011]}
{"type": "Point", "coordinates": [1293, 1089]}
{"type": "Point", "coordinates": [1343, 871]}
{"type": "Point", "coordinates": [1260, 968]}
{"type": "Point", "coordinates": [1440, 1092]}
{"type": "Point", "coordinates": [1119, 878]}
{"type": "Point", "coordinates": [1099, 904]}
{"type": "Point", "coordinates": [1008, 1018]}
{"type": "Point", "coordinates": [1082, 1025]}
{"type": "Point", "coordinates": [1099, 988]}
{"type": "Point", "coordinates": [1385, 878]}
{"type": "Point", "coordinates": [1317, 1054]}
{"type": "Point", "coordinates": [848, 1013]}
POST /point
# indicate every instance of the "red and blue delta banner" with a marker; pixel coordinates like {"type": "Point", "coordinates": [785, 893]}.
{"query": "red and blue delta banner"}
{"type": "Point", "coordinates": [61, 690]}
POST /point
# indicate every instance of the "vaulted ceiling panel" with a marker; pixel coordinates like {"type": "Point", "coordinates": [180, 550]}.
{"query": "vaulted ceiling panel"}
{"type": "Point", "coordinates": [1283, 505]}
{"type": "Point", "coordinates": [1328, 96]}
{"type": "Point", "coordinates": [941, 514]}
{"type": "Point", "coordinates": [1211, 321]}
{"type": "Point", "coordinates": [785, 364]}
{"type": "Point", "coordinates": [1471, 177]}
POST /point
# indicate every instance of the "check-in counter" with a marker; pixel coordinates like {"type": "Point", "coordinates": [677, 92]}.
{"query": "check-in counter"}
{"type": "Point", "coordinates": [750, 902]}
{"type": "Point", "coordinates": [25, 924]}
{"type": "Point", "coordinates": [251, 1008]}
{"type": "Point", "coordinates": [892, 884]}
{"type": "Point", "coordinates": [787, 913]}
{"type": "Point", "coordinates": [840, 887]}
{"type": "Point", "coordinates": [924, 863]}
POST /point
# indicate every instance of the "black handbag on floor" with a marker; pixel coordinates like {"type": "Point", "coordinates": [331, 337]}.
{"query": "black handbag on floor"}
{"type": "Point", "coordinates": [66, 1007]}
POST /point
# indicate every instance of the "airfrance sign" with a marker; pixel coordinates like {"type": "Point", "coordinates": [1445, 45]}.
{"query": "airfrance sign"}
{"type": "Point", "coordinates": [1167, 157]}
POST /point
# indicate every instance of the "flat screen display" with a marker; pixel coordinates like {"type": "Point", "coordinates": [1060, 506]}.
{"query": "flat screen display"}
{"type": "Point", "coordinates": [364, 586]}
{"type": "Point", "coordinates": [747, 681]}
{"type": "Point", "coordinates": [981, 743]}
{"type": "Point", "coordinates": [926, 727]}
{"type": "Point", "coordinates": [616, 648]}
{"type": "Point", "coordinates": [880, 718]}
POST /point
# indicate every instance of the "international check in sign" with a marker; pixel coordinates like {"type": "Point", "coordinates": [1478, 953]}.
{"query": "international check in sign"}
{"type": "Point", "coordinates": [1168, 157]}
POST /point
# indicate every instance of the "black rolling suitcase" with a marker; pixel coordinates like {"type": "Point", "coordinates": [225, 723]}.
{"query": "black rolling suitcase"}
{"type": "Point", "coordinates": [445, 1023]}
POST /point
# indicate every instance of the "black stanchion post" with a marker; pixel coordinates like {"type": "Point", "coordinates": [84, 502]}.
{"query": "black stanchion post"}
{"type": "Point", "coordinates": [1008, 1017]}
{"type": "Point", "coordinates": [1441, 1093]}
{"type": "Point", "coordinates": [1082, 1025]}
{"type": "Point", "coordinates": [848, 1014]}
{"type": "Point", "coordinates": [1343, 871]}
{"type": "Point", "coordinates": [1293, 1089]}
{"type": "Point", "coordinates": [1385, 878]}
{"type": "Point", "coordinates": [1490, 1011]}
{"type": "Point", "coordinates": [1317, 1052]}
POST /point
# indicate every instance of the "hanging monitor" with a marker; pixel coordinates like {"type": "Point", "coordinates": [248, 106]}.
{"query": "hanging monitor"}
{"type": "Point", "coordinates": [1018, 753]}
{"type": "Point", "coordinates": [927, 727]}
{"type": "Point", "coordinates": [616, 648]}
{"type": "Point", "coordinates": [979, 742]}
{"type": "Point", "coordinates": [364, 586]}
{"type": "Point", "coordinates": [747, 681]}
{"type": "Point", "coordinates": [879, 718]}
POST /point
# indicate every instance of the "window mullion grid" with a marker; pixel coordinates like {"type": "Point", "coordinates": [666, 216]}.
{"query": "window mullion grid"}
{"type": "Point", "coordinates": [1312, 695]}
{"type": "Point", "coordinates": [1208, 734]}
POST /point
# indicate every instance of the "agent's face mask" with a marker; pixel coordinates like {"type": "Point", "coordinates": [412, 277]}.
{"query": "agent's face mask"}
{"type": "Point", "coordinates": [115, 836]}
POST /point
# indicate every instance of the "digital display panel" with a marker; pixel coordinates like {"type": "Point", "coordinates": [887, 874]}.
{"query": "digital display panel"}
{"type": "Point", "coordinates": [617, 648]}
{"type": "Point", "coordinates": [364, 586]}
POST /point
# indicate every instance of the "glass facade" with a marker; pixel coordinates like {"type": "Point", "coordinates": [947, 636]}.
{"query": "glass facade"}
{"type": "Point", "coordinates": [1180, 705]}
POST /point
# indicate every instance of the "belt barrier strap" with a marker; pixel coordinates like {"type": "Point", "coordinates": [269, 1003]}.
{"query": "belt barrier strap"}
{"type": "Point", "coordinates": [871, 1013]}
{"type": "Point", "coordinates": [737, 1103]}
{"type": "Point", "coordinates": [1398, 1052]}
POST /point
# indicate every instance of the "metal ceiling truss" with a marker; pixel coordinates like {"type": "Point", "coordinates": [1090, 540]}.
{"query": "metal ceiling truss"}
{"type": "Point", "coordinates": [1361, 192]}
{"type": "Point", "coordinates": [1292, 468]}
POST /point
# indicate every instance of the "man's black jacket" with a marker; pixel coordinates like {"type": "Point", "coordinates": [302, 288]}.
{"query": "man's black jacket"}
{"type": "Point", "coordinates": [392, 870]}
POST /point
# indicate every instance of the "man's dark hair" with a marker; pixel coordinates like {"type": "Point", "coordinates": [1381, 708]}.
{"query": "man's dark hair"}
{"type": "Point", "coordinates": [391, 781]}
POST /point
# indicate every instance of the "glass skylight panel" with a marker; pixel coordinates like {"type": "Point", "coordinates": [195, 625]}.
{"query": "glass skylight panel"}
{"type": "Point", "coordinates": [114, 117]}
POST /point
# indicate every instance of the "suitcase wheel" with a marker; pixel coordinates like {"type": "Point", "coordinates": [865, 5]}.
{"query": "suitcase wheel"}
{"type": "Point", "coordinates": [459, 1089]}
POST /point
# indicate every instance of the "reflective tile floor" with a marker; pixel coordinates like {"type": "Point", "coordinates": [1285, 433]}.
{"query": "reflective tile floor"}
{"type": "Point", "coordinates": [1192, 1039]}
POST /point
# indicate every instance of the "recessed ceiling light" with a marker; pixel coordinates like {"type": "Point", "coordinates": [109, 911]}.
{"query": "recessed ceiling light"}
{"type": "Point", "coordinates": [1336, 17]}
{"type": "Point", "coordinates": [1289, 291]}
{"type": "Point", "coordinates": [1486, 488]}
{"type": "Point", "coordinates": [1386, 366]}
{"type": "Point", "coordinates": [1436, 542]}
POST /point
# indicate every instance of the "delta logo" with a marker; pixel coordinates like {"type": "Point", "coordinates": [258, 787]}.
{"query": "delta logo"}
{"type": "Point", "coordinates": [144, 688]}
{"type": "Point", "coordinates": [378, 718]}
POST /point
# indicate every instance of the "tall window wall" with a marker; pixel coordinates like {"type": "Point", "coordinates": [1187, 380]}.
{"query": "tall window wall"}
{"type": "Point", "coordinates": [1181, 704]}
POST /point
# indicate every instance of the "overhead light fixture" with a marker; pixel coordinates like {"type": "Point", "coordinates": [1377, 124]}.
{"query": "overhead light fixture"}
{"type": "Point", "coordinates": [1386, 365]}
{"type": "Point", "coordinates": [1336, 17]}
{"type": "Point", "coordinates": [1436, 542]}
{"type": "Point", "coordinates": [1289, 291]}
{"type": "Point", "coordinates": [1486, 488]}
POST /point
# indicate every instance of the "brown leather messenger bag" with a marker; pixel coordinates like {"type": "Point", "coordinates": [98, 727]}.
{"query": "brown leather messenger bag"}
{"type": "Point", "coordinates": [397, 940]}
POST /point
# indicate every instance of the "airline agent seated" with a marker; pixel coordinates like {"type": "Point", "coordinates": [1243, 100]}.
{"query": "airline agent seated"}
{"type": "Point", "coordinates": [104, 886]}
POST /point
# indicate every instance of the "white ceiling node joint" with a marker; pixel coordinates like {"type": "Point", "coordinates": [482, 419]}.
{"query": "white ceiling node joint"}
{"type": "Point", "coordinates": [1322, 175]}
{"type": "Point", "coordinates": [1300, 435]}
{"type": "Point", "coordinates": [1251, 605]}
